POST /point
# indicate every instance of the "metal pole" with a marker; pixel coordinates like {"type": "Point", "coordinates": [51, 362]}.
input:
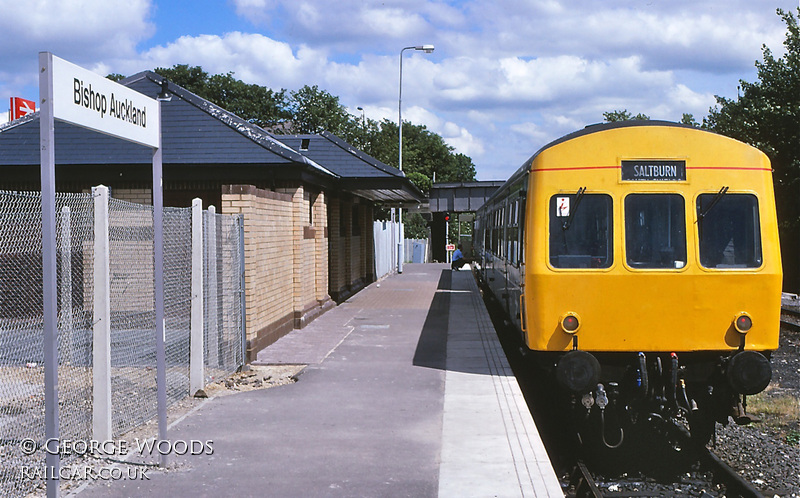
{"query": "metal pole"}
{"type": "Point", "coordinates": [49, 274]}
{"type": "Point", "coordinates": [427, 49]}
{"type": "Point", "coordinates": [158, 265]}
{"type": "Point", "coordinates": [400, 162]}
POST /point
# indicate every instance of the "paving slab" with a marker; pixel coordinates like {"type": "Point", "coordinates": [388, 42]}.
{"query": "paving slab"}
{"type": "Point", "coordinates": [406, 393]}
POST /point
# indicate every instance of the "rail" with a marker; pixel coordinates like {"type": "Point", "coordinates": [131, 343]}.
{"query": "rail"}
{"type": "Point", "coordinates": [735, 485]}
{"type": "Point", "coordinates": [789, 324]}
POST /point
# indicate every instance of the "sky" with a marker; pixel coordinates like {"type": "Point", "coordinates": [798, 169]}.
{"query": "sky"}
{"type": "Point", "coordinates": [506, 76]}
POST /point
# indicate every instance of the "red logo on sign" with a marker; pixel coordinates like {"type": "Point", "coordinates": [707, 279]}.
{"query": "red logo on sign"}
{"type": "Point", "coordinates": [21, 107]}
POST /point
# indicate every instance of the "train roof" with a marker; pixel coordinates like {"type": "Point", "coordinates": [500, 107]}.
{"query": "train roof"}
{"type": "Point", "coordinates": [589, 129]}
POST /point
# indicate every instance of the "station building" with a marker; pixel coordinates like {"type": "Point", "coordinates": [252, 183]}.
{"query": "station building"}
{"type": "Point", "coordinates": [307, 201]}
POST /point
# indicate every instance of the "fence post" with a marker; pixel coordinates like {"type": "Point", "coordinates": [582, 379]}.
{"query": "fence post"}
{"type": "Point", "coordinates": [214, 297]}
{"type": "Point", "coordinates": [65, 318]}
{"type": "Point", "coordinates": [196, 342]}
{"type": "Point", "coordinates": [101, 342]}
{"type": "Point", "coordinates": [242, 287]}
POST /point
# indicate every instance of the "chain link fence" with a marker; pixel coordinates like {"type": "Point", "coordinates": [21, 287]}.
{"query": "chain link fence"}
{"type": "Point", "coordinates": [223, 296]}
{"type": "Point", "coordinates": [133, 359]}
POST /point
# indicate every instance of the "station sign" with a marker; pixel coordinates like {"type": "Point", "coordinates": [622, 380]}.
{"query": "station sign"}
{"type": "Point", "coordinates": [21, 107]}
{"type": "Point", "coordinates": [450, 247]}
{"type": "Point", "coordinates": [654, 170]}
{"type": "Point", "coordinates": [87, 99]}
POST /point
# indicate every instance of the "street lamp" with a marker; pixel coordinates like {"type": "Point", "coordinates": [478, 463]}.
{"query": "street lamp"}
{"type": "Point", "coordinates": [427, 49]}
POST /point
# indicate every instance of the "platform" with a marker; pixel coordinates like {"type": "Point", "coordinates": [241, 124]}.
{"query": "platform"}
{"type": "Point", "coordinates": [407, 392]}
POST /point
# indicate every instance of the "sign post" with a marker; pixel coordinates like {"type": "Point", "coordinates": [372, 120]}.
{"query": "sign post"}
{"type": "Point", "coordinates": [49, 283]}
{"type": "Point", "coordinates": [75, 95]}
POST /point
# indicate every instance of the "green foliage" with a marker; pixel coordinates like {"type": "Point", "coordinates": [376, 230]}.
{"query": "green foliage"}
{"type": "Point", "coordinates": [415, 226]}
{"type": "Point", "coordinates": [257, 104]}
{"type": "Point", "coordinates": [312, 110]}
{"type": "Point", "coordinates": [688, 119]}
{"type": "Point", "coordinates": [793, 438]}
{"type": "Point", "coordinates": [115, 76]}
{"type": "Point", "coordinates": [623, 115]}
{"type": "Point", "coordinates": [424, 152]}
{"type": "Point", "coordinates": [421, 181]}
{"type": "Point", "coordinates": [766, 115]}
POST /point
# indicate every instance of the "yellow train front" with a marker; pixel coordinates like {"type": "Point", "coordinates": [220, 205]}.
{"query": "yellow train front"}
{"type": "Point", "coordinates": [640, 261]}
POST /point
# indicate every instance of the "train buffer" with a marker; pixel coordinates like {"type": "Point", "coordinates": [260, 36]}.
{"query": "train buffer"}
{"type": "Point", "coordinates": [406, 392]}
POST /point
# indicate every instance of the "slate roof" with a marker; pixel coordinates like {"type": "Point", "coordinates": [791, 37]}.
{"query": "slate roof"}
{"type": "Point", "coordinates": [198, 134]}
{"type": "Point", "coordinates": [359, 172]}
{"type": "Point", "coordinates": [194, 131]}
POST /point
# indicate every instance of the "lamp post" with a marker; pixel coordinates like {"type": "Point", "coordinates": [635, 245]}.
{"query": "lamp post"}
{"type": "Point", "coordinates": [427, 49]}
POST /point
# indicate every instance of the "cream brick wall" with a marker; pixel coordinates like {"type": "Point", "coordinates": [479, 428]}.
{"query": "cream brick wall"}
{"type": "Point", "coordinates": [269, 260]}
{"type": "Point", "coordinates": [137, 195]}
{"type": "Point", "coordinates": [286, 259]}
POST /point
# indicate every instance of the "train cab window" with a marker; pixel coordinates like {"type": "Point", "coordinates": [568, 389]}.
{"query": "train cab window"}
{"type": "Point", "coordinates": [655, 231]}
{"type": "Point", "coordinates": [581, 230]}
{"type": "Point", "coordinates": [728, 225]}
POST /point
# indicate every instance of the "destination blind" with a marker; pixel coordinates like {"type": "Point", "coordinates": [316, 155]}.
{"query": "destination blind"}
{"type": "Point", "coordinates": [654, 170]}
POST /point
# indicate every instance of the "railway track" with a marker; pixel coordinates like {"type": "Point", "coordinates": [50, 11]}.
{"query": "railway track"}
{"type": "Point", "coordinates": [583, 483]}
{"type": "Point", "coordinates": [790, 325]}
{"type": "Point", "coordinates": [707, 476]}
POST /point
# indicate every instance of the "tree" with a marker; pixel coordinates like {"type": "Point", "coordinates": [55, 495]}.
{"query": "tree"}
{"type": "Point", "coordinates": [314, 110]}
{"type": "Point", "coordinates": [766, 116]}
{"type": "Point", "coordinates": [422, 182]}
{"type": "Point", "coordinates": [424, 152]}
{"type": "Point", "coordinates": [415, 226]}
{"type": "Point", "coordinates": [688, 119]}
{"type": "Point", "coordinates": [254, 103]}
{"type": "Point", "coordinates": [623, 115]}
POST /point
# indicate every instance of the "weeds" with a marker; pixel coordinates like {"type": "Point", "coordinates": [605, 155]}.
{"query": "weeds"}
{"type": "Point", "coordinates": [779, 411]}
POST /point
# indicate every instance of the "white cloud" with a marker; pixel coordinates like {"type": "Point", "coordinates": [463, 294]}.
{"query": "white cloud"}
{"type": "Point", "coordinates": [82, 30]}
{"type": "Point", "coordinates": [506, 76]}
{"type": "Point", "coordinates": [251, 57]}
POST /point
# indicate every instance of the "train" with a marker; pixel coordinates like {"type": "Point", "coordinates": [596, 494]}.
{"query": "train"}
{"type": "Point", "coordinates": [639, 262]}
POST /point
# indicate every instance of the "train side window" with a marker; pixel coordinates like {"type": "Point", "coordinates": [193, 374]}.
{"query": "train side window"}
{"type": "Point", "coordinates": [581, 232]}
{"type": "Point", "coordinates": [729, 231]}
{"type": "Point", "coordinates": [655, 231]}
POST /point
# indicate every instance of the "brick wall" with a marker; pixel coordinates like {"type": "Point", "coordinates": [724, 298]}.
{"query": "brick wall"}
{"type": "Point", "coordinates": [137, 195]}
{"type": "Point", "coordinates": [351, 253]}
{"type": "Point", "coordinates": [284, 254]}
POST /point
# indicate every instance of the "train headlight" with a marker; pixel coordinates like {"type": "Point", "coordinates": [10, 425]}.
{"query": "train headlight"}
{"type": "Point", "coordinates": [570, 322]}
{"type": "Point", "coordinates": [743, 323]}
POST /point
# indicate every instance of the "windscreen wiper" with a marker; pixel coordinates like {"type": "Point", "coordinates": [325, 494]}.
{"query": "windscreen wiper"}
{"type": "Point", "coordinates": [714, 201]}
{"type": "Point", "coordinates": [578, 197]}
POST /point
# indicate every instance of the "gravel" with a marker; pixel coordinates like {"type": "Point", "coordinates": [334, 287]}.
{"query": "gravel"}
{"type": "Point", "coordinates": [765, 454]}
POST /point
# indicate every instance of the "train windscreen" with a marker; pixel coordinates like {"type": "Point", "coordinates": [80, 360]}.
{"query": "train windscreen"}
{"type": "Point", "coordinates": [655, 231]}
{"type": "Point", "coordinates": [729, 229]}
{"type": "Point", "coordinates": [581, 230]}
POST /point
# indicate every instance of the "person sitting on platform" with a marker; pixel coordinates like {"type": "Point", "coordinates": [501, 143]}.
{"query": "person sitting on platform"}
{"type": "Point", "coordinates": [458, 259]}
